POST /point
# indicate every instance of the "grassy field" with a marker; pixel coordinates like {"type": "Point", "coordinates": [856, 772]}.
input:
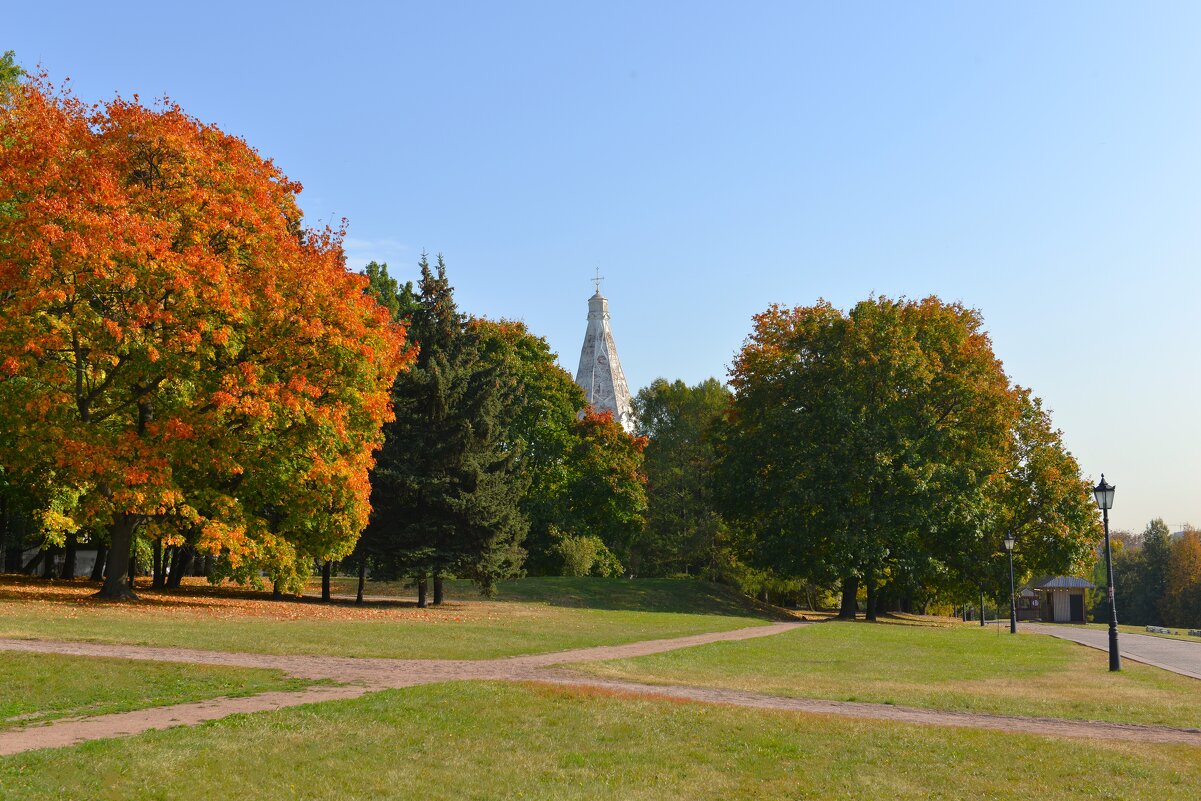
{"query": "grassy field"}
{"type": "Point", "coordinates": [487, 741]}
{"type": "Point", "coordinates": [951, 667]}
{"type": "Point", "coordinates": [41, 687]}
{"type": "Point", "coordinates": [615, 594]}
{"type": "Point", "coordinates": [530, 616]}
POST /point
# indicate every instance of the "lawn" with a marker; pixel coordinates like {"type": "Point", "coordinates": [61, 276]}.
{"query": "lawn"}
{"type": "Point", "coordinates": [488, 741]}
{"type": "Point", "coordinates": [530, 616]}
{"type": "Point", "coordinates": [617, 594]}
{"type": "Point", "coordinates": [41, 687]}
{"type": "Point", "coordinates": [948, 667]}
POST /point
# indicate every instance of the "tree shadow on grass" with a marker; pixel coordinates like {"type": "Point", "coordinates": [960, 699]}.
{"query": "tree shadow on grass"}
{"type": "Point", "coordinates": [682, 596]}
{"type": "Point", "coordinates": [687, 596]}
{"type": "Point", "coordinates": [195, 595]}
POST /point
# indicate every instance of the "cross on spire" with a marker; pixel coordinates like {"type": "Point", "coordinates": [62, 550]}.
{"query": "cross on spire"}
{"type": "Point", "coordinates": [598, 280]}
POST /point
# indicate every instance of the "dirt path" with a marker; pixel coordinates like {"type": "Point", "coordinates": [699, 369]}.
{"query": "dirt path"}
{"type": "Point", "coordinates": [359, 676]}
{"type": "Point", "coordinates": [1049, 727]}
{"type": "Point", "coordinates": [389, 672]}
{"type": "Point", "coordinates": [69, 731]}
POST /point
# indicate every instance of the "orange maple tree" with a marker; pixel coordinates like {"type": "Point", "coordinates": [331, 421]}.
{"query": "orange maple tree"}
{"type": "Point", "coordinates": [176, 348]}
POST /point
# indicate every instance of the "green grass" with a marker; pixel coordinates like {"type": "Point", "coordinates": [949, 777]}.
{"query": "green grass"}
{"type": "Point", "coordinates": [958, 668]}
{"type": "Point", "coordinates": [489, 741]}
{"type": "Point", "coordinates": [541, 615]}
{"type": "Point", "coordinates": [617, 594]}
{"type": "Point", "coordinates": [41, 687]}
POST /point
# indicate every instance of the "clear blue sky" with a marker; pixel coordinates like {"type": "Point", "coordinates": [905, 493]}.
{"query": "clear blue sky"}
{"type": "Point", "coordinates": [1038, 161]}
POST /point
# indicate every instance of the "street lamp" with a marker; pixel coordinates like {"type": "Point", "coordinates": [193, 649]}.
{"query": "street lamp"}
{"type": "Point", "coordinates": [1013, 609]}
{"type": "Point", "coordinates": [1103, 492]}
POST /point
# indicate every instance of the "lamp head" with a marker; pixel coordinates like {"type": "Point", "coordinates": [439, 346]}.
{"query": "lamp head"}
{"type": "Point", "coordinates": [1103, 492]}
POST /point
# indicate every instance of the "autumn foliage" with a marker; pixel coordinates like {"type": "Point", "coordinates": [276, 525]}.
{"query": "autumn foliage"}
{"type": "Point", "coordinates": [1181, 602]}
{"type": "Point", "coordinates": [179, 355]}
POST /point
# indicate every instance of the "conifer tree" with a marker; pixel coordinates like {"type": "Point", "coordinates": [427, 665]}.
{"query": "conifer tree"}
{"type": "Point", "coordinates": [447, 484]}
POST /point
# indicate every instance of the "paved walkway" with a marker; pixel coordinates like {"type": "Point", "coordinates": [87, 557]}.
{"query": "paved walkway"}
{"type": "Point", "coordinates": [1178, 656]}
{"type": "Point", "coordinates": [360, 676]}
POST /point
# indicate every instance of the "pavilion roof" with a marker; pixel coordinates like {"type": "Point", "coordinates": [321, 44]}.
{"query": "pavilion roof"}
{"type": "Point", "coordinates": [1061, 583]}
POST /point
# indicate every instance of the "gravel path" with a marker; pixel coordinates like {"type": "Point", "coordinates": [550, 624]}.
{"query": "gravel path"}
{"type": "Point", "coordinates": [1050, 727]}
{"type": "Point", "coordinates": [69, 731]}
{"type": "Point", "coordinates": [1178, 656]}
{"type": "Point", "coordinates": [359, 676]}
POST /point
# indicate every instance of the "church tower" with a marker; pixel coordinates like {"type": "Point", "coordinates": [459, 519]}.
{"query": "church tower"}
{"type": "Point", "coordinates": [600, 374]}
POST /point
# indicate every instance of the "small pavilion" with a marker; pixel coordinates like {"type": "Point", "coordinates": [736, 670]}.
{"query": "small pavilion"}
{"type": "Point", "coordinates": [1054, 599]}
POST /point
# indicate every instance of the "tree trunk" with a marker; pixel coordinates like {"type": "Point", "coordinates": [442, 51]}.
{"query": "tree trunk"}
{"type": "Point", "coordinates": [358, 598]}
{"type": "Point", "coordinates": [170, 563]}
{"type": "Point", "coordinates": [981, 606]}
{"type": "Point", "coordinates": [326, 569]}
{"type": "Point", "coordinates": [277, 594]}
{"type": "Point", "coordinates": [116, 582]}
{"type": "Point", "coordinates": [101, 558]}
{"type": "Point", "coordinates": [68, 571]}
{"type": "Point", "coordinates": [48, 563]}
{"type": "Point", "coordinates": [160, 567]}
{"type": "Point", "coordinates": [438, 595]}
{"type": "Point", "coordinates": [850, 589]}
{"type": "Point", "coordinates": [873, 597]}
{"type": "Point", "coordinates": [181, 564]}
{"type": "Point", "coordinates": [421, 592]}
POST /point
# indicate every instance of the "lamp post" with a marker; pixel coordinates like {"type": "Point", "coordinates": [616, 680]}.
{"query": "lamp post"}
{"type": "Point", "coordinates": [1103, 492]}
{"type": "Point", "coordinates": [1013, 609]}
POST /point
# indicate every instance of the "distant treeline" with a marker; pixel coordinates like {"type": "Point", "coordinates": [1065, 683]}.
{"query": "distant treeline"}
{"type": "Point", "coordinates": [1157, 577]}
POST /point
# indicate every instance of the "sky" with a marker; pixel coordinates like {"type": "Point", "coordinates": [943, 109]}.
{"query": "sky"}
{"type": "Point", "coordinates": [1040, 162]}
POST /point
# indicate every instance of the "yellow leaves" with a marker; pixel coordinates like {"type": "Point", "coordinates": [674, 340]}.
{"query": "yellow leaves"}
{"type": "Point", "coordinates": [55, 522]}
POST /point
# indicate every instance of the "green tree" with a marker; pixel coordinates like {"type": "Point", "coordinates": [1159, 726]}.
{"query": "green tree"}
{"type": "Point", "coordinates": [859, 444]}
{"type": "Point", "coordinates": [685, 533]}
{"type": "Point", "coordinates": [1141, 575]}
{"type": "Point", "coordinates": [447, 484]}
{"type": "Point", "coordinates": [604, 493]}
{"type": "Point", "coordinates": [400, 300]}
{"type": "Point", "coordinates": [10, 74]}
{"type": "Point", "coordinates": [1181, 602]}
{"type": "Point", "coordinates": [1130, 592]}
{"type": "Point", "coordinates": [1039, 498]}
{"type": "Point", "coordinates": [540, 416]}
{"type": "Point", "coordinates": [1157, 555]}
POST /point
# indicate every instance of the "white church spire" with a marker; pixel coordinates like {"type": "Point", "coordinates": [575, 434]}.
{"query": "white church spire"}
{"type": "Point", "coordinates": [600, 374]}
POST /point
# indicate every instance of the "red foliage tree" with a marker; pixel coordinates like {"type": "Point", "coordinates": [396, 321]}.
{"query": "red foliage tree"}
{"type": "Point", "coordinates": [176, 348]}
